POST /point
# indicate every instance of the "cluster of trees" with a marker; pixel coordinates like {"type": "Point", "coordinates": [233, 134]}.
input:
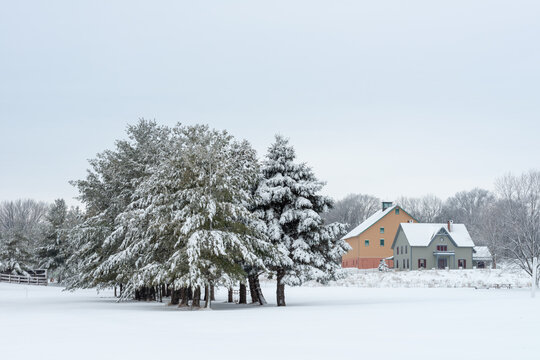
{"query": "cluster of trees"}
{"type": "Point", "coordinates": [506, 220]}
{"type": "Point", "coordinates": [35, 235]}
{"type": "Point", "coordinates": [177, 211]}
{"type": "Point", "coordinates": [181, 210]}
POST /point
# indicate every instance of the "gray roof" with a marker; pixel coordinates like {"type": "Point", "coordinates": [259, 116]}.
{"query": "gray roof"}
{"type": "Point", "coordinates": [482, 253]}
{"type": "Point", "coordinates": [423, 234]}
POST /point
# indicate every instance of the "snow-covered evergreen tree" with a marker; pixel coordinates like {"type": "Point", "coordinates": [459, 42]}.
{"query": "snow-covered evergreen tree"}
{"type": "Point", "coordinates": [189, 224]}
{"type": "Point", "coordinates": [52, 251]}
{"type": "Point", "coordinates": [54, 248]}
{"type": "Point", "coordinates": [107, 191]}
{"type": "Point", "coordinates": [290, 203]}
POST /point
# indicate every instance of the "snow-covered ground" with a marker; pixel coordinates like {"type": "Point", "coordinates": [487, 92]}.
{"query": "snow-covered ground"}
{"type": "Point", "coordinates": [318, 323]}
{"type": "Point", "coordinates": [482, 278]}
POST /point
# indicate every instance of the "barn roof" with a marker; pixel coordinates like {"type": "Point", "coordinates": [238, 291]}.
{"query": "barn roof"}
{"type": "Point", "coordinates": [370, 221]}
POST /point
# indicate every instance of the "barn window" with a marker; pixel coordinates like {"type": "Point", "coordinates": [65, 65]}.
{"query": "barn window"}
{"type": "Point", "coordinates": [366, 242]}
{"type": "Point", "coordinates": [382, 230]}
{"type": "Point", "coordinates": [397, 211]}
{"type": "Point", "coordinates": [381, 242]}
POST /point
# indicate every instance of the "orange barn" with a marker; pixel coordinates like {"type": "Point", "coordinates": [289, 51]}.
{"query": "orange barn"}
{"type": "Point", "coordinates": [372, 240]}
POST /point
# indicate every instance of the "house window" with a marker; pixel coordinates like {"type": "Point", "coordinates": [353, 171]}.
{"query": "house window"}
{"type": "Point", "coordinates": [462, 263]}
{"type": "Point", "coordinates": [397, 250]}
{"type": "Point", "coordinates": [397, 211]}
{"type": "Point", "coordinates": [404, 264]}
{"type": "Point", "coordinates": [366, 242]}
{"type": "Point", "coordinates": [421, 263]}
{"type": "Point", "coordinates": [442, 247]}
{"type": "Point", "coordinates": [381, 242]}
{"type": "Point", "coordinates": [407, 263]}
{"type": "Point", "coordinates": [397, 264]}
{"type": "Point", "coordinates": [405, 249]}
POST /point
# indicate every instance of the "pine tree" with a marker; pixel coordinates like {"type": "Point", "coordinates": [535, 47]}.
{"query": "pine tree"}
{"type": "Point", "coordinates": [290, 203]}
{"type": "Point", "coordinates": [54, 248]}
{"type": "Point", "coordinates": [107, 192]}
{"type": "Point", "coordinates": [189, 223]}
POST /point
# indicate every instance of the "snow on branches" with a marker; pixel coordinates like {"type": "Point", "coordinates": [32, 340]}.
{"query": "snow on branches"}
{"type": "Point", "coordinates": [290, 203]}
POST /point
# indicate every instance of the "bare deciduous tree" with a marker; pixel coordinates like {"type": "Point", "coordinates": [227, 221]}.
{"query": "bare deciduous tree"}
{"type": "Point", "coordinates": [352, 210]}
{"type": "Point", "coordinates": [20, 231]}
{"type": "Point", "coordinates": [520, 197]}
{"type": "Point", "coordinates": [425, 209]}
{"type": "Point", "coordinates": [470, 208]}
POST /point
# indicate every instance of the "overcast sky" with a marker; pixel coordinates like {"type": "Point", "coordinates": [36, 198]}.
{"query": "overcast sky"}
{"type": "Point", "coordinates": [382, 97]}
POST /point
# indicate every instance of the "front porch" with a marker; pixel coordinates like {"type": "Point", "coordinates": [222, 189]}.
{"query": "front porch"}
{"type": "Point", "coordinates": [445, 259]}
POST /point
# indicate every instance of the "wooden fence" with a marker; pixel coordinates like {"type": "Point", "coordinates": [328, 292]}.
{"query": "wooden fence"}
{"type": "Point", "coordinates": [38, 279]}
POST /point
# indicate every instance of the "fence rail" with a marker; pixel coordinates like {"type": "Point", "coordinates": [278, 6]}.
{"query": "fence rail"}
{"type": "Point", "coordinates": [20, 279]}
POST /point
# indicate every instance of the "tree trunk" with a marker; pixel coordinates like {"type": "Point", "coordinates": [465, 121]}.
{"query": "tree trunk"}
{"type": "Point", "coordinates": [280, 292]}
{"type": "Point", "coordinates": [115, 291]}
{"type": "Point", "coordinates": [206, 296]}
{"type": "Point", "coordinates": [175, 297]}
{"type": "Point", "coordinates": [252, 290]}
{"type": "Point", "coordinates": [197, 297]}
{"type": "Point", "coordinates": [184, 294]}
{"type": "Point", "coordinates": [243, 294]}
{"type": "Point", "coordinates": [260, 295]}
{"type": "Point", "coordinates": [121, 288]}
{"type": "Point", "coordinates": [230, 297]}
{"type": "Point", "coordinates": [212, 293]}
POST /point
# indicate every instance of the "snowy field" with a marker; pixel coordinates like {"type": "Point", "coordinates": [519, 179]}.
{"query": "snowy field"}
{"type": "Point", "coordinates": [481, 278]}
{"type": "Point", "coordinates": [318, 323]}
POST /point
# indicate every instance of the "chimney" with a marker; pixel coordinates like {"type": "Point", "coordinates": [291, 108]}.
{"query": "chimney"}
{"type": "Point", "coordinates": [386, 205]}
{"type": "Point", "coordinates": [450, 223]}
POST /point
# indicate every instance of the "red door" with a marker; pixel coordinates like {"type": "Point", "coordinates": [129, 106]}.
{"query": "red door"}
{"type": "Point", "coordinates": [443, 262]}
